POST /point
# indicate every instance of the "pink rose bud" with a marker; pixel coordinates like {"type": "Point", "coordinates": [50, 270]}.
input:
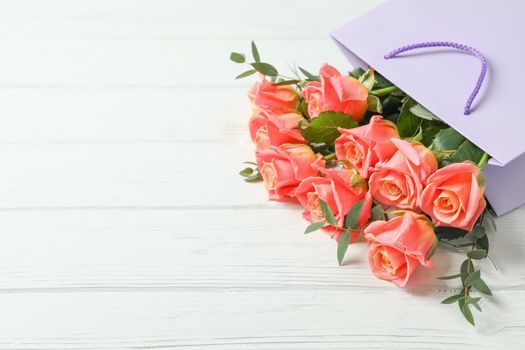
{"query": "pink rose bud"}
{"type": "Point", "coordinates": [336, 93]}
{"type": "Point", "coordinates": [335, 188]}
{"type": "Point", "coordinates": [366, 145]}
{"type": "Point", "coordinates": [399, 246]}
{"type": "Point", "coordinates": [399, 182]}
{"type": "Point", "coordinates": [284, 167]}
{"type": "Point", "coordinates": [454, 196]}
{"type": "Point", "coordinates": [270, 98]}
{"type": "Point", "coordinates": [275, 129]}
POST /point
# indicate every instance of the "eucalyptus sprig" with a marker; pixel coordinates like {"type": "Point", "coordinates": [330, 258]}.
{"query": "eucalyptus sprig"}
{"type": "Point", "coordinates": [251, 174]}
{"type": "Point", "coordinates": [350, 224]}
{"type": "Point", "coordinates": [470, 276]}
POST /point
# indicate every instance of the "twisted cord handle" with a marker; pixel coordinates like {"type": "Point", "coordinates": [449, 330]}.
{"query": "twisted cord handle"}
{"type": "Point", "coordinates": [461, 47]}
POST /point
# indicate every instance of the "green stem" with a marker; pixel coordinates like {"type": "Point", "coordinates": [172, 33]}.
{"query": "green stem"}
{"type": "Point", "coordinates": [330, 156]}
{"type": "Point", "coordinates": [384, 91]}
{"type": "Point", "coordinates": [483, 161]}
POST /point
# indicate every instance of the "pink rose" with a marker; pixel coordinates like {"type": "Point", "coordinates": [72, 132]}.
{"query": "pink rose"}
{"type": "Point", "coordinates": [366, 145]}
{"type": "Point", "coordinates": [275, 129]}
{"type": "Point", "coordinates": [336, 93]}
{"type": "Point", "coordinates": [400, 181]}
{"type": "Point", "coordinates": [334, 188]}
{"type": "Point", "coordinates": [284, 167]}
{"type": "Point", "coordinates": [399, 246]}
{"type": "Point", "coordinates": [454, 196]}
{"type": "Point", "coordinates": [270, 98]}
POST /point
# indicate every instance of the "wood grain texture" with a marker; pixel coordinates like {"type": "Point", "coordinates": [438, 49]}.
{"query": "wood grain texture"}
{"type": "Point", "coordinates": [124, 224]}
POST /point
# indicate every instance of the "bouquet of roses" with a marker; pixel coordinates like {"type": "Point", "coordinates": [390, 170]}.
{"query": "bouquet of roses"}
{"type": "Point", "coordinates": [367, 162]}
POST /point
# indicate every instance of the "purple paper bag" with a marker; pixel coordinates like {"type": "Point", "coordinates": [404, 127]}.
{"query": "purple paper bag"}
{"type": "Point", "coordinates": [441, 79]}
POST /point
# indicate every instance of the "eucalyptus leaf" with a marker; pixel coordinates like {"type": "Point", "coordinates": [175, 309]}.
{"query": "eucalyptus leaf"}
{"type": "Point", "coordinates": [246, 74]}
{"type": "Point", "coordinates": [352, 218]}
{"type": "Point", "coordinates": [483, 243]}
{"type": "Point", "coordinates": [287, 82]}
{"type": "Point", "coordinates": [479, 231]}
{"type": "Point", "coordinates": [481, 287]}
{"type": "Point", "coordinates": [342, 246]}
{"type": "Point", "coordinates": [237, 57]}
{"type": "Point", "coordinates": [265, 68]}
{"type": "Point", "coordinates": [327, 212]}
{"type": "Point", "coordinates": [323, 128]}
{"type": "Point", "coordinates": [477, 254]}
{"type": "Point", "coordinates": [308, 75]}
{"type": "Point", "coordinates": [255, 53]}
{"type": "Point", "coordinates": [453, 299]}
{"type": "Point", "coordinates": [465, 310]}
{"type": "Point", "coordinates": [451, 277]}
{"type": "Point", "coordinates": [476, 275]}
{"type": "Point", "coordinates": [314, 227]}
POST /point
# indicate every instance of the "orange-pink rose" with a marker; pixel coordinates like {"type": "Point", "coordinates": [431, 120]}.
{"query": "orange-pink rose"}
{"type": "Point", "coordinates": [399, 246]}
{"type": "Point", "coordinates": [454, 196]}
{"type": "Point", "coordinates": [336, 93]}
{"type": "Point", "coordinates": [275, 129]}
{"type": "Point", "coordinates": [334, 187]}
{"type": "Point", "coordinates": [366, 145]}
{"type": "Point", "coordinates": [284, 167]}
{"type": "Point", "coordinates": [400, 181]}
{"type": "Point", "coordinates": [267, 97]}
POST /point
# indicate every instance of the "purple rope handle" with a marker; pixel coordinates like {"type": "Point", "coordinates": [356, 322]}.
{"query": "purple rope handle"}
{"type": "Point", "coordinates": [461, 47]}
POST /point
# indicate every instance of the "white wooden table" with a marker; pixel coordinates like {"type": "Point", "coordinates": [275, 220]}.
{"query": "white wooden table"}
{"type": "Point", "coordinates": [124, 224]}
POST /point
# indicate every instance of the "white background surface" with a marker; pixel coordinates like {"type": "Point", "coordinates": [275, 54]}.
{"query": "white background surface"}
{"type": "Point", "coordinates": [124, 224]}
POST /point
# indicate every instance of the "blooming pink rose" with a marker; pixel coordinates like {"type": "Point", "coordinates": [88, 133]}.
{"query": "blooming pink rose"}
{"type": "Point", "coordinates": [454, 196]}
{"type": "Point", "coordinates": [366, 145]}
{"type": "Point", "coordinates": [334, 188]}
{"type": "Point", "coordinates": [275, 129]}
{"type": "Point", "coordinates": [399, 246]}
{"type": "Point", "coordinates": [400, 181]}
{"type": "Point", "coordinates": [336, 93]}
{"type": "Point", "coordinates": [284, 167]}
{"type": "Point", "coordinates": [268, 97]}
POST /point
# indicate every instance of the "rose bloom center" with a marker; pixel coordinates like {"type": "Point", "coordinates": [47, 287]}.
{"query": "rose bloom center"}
{"type": "Point", "coordinates": [314, 204]}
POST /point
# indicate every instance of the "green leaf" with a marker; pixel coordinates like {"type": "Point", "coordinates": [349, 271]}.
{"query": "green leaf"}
{"type": "Point", "coordinates": [477, 254]}
{"type": "Point", "coordinates": [450, 277]}
{"type": "Point", "coordinates": [314, 227]}
{"type": "Point", "coordinates": [407, 123]}
{"type": "Point", "coordinates": [237, 57]}
{"type": "Point", "coordinates": [323, 128]}
{"type": "Point", "coordinates": [342, 246]}
{"type": "Point", "coordinates": [476, 275]}
{"type": "Point", "coordinates": [246, 74]}
{"type": "Point", "coordinates": [357, 72]}
{"type": "Point", "coordinates": [378, 213]}
{"type": "Point", "coordinates": [352, 218]}
{"type": "Point", "coordinates": [309, 75]}
{"type": "Point", "coordinates": [465, 310]}
{"type": "Point", "coordinates": [449, 233]}
{"type": "Point", "coordinates": [253, 178]}
{"type": "Point", "coordinates": [474, 301]}
{"type": "Point", "coordinates": [481, 287]}
{"type": "Point", "coordinates": [368, 79]}
{"type": "Point", "coordinates": [483, 243]}
{"type": "Point", "coordinates": [453, 299]}
{"type": "Point", "coordinates": [287, 82]}
{"type": "Point", "coordinates": [421, 112]}
{"type": "Point", "coordinates": [255, 53]}
{"type": "Point", "coordinates": [479, 231]}
{"type": "Point", "coordinates": [265, 68]}
{"type": "Point", "coordinates": [429, 134]}
{"type": "Point", "coordinates": [246, 172]}
{"type": "Point", "coordinates": [463, 269]}
{"type": "Point", "coordinates": [374, 104]}
{"type": "Point", "coordinates": [450, 140]}
{"type": "Point", "coordinates": [327, 212]}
